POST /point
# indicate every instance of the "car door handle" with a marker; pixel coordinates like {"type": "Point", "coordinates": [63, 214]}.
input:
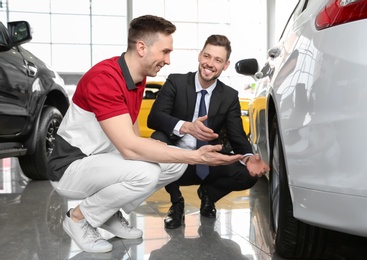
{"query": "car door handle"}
{"type": "Point", "coordinates": [31, 68]}
{"type": "Point", "coordinates": [274, 52]}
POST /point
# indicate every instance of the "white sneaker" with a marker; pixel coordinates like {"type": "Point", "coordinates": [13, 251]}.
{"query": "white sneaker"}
{"type": "Point", "coordinates": [120, 227]}
{"type": "Point", "coordinates": [85, 236]}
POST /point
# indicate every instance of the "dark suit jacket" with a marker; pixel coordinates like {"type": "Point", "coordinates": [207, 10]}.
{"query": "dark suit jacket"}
{"type": "Point", "coordinates": [176, 101]}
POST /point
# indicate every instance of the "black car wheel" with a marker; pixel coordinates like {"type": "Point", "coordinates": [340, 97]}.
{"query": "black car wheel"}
{"type": "Point", "coordinates": [34, 165]}
{"type": "Point", "coordinates": [293, 238]}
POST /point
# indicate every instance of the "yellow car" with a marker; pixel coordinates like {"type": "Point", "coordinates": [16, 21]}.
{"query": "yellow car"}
{"type": "Point", "coordinates": [244, 103]}
{"type": "Point", "coordinates": [151, 91]}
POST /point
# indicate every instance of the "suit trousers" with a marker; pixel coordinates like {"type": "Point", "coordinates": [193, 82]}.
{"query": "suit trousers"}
{"type": "Point", "coordinates": [221, 180]}
{"type": "Point", "coordinates": [107, 182]}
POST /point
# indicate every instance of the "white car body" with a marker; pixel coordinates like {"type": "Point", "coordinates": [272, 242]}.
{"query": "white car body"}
{"type": "Point", "coordinates": [315, 85]}
{"type": "Point", "coordinates": [330, 137]}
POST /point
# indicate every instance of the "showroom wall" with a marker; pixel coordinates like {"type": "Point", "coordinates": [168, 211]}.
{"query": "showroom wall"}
{"type": "Point", "coordinates": [243, 22]}
{"type": "Point", "coordinates": [72, 36]}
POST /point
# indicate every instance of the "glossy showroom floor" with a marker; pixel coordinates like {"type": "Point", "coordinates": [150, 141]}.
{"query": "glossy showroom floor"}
{"type": "Point", "coordinates": [31, 214]}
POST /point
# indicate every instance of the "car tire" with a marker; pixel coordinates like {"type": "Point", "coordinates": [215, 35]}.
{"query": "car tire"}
{"type": "Point", "coordinates": [293, 238]}
{"type": "Point", "coordinates": [34, 165]}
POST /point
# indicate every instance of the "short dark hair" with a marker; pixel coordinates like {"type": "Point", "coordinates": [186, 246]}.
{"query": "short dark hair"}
{"type": "Point", "coordinates": [146, 27]}
{"type": "Point", "coordinates": [219, 40]}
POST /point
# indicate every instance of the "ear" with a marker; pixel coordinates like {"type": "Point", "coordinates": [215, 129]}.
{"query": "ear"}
{"type": "Point", "coordinates": [227, 65]}
{"type": "Point", "coordinates": [140, 48]}
{"type": "Point", "coordinates": [199, 55]}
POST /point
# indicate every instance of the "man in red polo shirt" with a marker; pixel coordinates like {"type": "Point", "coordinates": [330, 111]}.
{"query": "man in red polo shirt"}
{"type": "Point", "coordinates": [99, 156]}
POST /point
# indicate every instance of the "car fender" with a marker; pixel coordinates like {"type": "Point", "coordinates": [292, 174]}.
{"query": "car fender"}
{"type": "Point", "coordinates": [56, 97]}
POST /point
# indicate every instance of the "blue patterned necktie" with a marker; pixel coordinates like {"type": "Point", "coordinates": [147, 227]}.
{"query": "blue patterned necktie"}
{"type": "Point", "coordinates": [202, 170]}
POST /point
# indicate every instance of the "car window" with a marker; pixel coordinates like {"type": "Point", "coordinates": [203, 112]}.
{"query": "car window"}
{"type": "Point", "coordinates": [3, 35]}
{"type": "Point", "coordinates": [2, 40]}
{"type": "Point", "coordinates": [300, 7]}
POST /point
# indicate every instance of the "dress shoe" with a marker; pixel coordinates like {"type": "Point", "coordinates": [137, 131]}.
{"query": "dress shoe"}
{"type": "Point", "coordinates": [175, 217]}
{"type": "Point", "coordinates": [207, 207]}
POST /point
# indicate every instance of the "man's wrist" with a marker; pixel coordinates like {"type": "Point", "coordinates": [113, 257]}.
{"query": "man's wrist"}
{"type": "Point", "coordinates": [177, 129]}
{"type": "Point", "coordinates": [246, 159]}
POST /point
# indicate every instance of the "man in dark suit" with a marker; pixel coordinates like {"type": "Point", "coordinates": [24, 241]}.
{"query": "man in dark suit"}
{"type": "Point", "coordinates": [196, 108]}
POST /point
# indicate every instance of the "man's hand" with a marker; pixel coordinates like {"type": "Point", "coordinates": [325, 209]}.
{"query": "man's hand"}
{"type": "Point", "coordinates": [209, 154]}
{"type": "Point", "coordinates": [198, 130]}
{"type": "Point", "coordinates": [256, 166]}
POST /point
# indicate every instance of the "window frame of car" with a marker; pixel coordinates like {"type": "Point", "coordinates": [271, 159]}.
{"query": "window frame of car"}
{"type": "Point", "coordinates": [298, 9]}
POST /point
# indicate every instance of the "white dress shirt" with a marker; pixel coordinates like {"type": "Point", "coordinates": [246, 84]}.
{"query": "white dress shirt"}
{"type": "Point", "coordinates": [188, 141]}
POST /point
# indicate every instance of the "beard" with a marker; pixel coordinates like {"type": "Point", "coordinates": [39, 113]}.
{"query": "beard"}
{"type": "Point", "coordinates": [207, 78]}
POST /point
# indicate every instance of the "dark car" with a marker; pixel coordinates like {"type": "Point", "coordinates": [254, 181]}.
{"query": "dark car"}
{"type": "Point", "coordinates": [33, 101]}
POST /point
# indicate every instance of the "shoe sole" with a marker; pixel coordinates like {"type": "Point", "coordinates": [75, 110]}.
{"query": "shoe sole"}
{"type": "Point", "coordinates": [68, 231]}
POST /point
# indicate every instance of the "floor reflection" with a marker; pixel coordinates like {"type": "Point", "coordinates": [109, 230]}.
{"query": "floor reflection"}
{"type": "Point", "coordinates": [31, 223]}
{"type": "Point", "coordinates": [207, 244]}
{"type": "Point", "coordinates": [31, 215]}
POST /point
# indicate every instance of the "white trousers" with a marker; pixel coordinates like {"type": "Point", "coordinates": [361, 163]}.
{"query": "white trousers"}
{"type": "Point", "coordinates": [107, 182]}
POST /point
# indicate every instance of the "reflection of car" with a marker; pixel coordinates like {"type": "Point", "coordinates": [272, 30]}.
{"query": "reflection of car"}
{"type": "Point", "coordinates": [151, 91]}
{"type": "Point", "coordinates": [32, 102]}
{"type": "Point", "coordinates": [308, 120]}
{"type": "Point", "coordinates": [44, 211]}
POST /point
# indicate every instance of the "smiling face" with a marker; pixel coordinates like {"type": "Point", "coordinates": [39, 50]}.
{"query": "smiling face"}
{"type": "Point", "coordinates": [158, 54]}
{"type": "Point", "coordinates": [212, 61]}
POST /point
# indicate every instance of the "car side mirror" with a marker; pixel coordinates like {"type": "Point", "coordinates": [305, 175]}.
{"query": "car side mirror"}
{"type": "Point", "coordinates": [19, 32]}
{"type": "Point", "coordinates": [247, 67]}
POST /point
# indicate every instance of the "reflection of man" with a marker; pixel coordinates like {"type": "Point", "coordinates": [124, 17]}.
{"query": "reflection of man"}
{"type": "Point", "coordinates": [176, 117]}
{"type": "Point", "coordinates": [287, 68]}
{"type": "Point", "coordinates": [209, 245]}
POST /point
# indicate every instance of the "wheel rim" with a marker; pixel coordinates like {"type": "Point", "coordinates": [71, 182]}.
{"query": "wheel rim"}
{"type": "Point", "coordinates": [275, 183]}
{"type": "Point", "coordinates": [51, 135]}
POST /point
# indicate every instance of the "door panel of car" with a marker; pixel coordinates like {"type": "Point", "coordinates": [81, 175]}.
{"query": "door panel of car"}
{"type": "Point", "coordinates": [285, 78]}
{"type": "Point", "coordinates": [14, 91]}
{"type": "Point", "coordinates": [272, 75]}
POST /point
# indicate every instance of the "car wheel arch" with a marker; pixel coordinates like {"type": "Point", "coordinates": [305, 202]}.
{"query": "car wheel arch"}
{"type": "Point", "coordinates": [54, 98]}
{"type": "Point", "coordinates": [293, 238]}
{"type": "Point", "coordinates": [270, 112]}
{"type": "Point", "coordinates": [57, 99]}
